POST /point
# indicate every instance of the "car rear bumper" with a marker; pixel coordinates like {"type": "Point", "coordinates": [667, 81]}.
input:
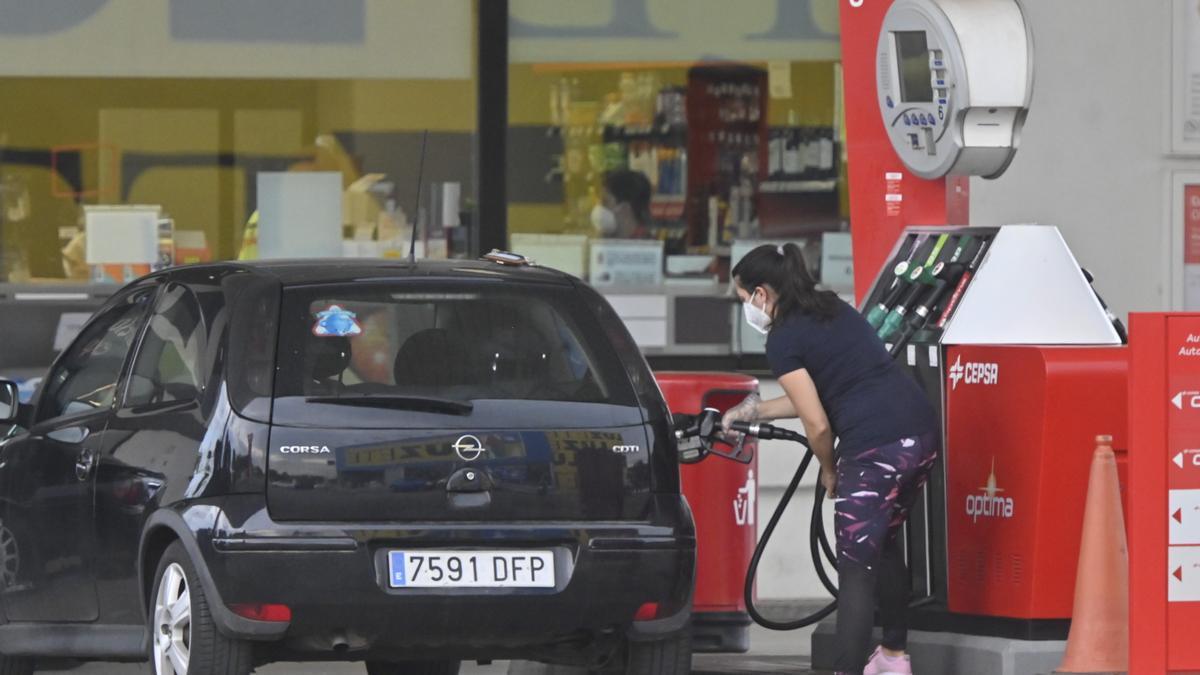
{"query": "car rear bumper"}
{"type": "Point", "coordinates": [334, 580]}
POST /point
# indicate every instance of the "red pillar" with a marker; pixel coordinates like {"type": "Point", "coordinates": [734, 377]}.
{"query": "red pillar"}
{"type": "Point", "coordinates": [875, 222]}
{"type": "Point", "coordinates": [1148, 511]}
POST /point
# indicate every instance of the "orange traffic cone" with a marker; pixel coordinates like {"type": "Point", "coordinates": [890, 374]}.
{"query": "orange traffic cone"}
{"type": "Point", "coordinates": [1099, 638]}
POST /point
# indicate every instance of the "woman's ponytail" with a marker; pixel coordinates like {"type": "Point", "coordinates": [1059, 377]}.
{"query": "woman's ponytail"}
{"type": "Point", "coordinates": [782, 267]}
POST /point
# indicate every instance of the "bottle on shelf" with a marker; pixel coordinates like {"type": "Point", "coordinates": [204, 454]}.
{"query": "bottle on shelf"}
{"type": "Point", "coordinates": [682, 187]}
{"type": "Point", "coordinates": [775, 145]}
{"type": "Point", "coordinates": [812, 149]}
{"type": "Point", "coordinates": [714, 221]}
{"type": "Point", "coordinates": [628, 91]}
{"type": "Point", "coordinates": [793, 154]}
{"type": "Point", "coordinates": [826, 154]}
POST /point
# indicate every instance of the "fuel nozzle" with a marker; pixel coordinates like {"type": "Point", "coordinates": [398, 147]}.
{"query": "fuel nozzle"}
{"type": "Point", "coordinates": [694, 434]}
{"type": "Point", "coordinates": [701, 435]}
{"type": "Point", "coordinates": [912, 257]}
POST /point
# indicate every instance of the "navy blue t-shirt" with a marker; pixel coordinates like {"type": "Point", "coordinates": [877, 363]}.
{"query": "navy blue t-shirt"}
{"type": "Point", "coordinates": [870, 401]}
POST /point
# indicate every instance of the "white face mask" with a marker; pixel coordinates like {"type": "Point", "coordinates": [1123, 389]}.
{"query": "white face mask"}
{"type": "Point", "coordinates": [604, 220]}
{"type": "Point", "coordinates": [758, 318]}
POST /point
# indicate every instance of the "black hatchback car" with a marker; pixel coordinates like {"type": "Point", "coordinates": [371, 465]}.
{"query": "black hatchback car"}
{"type": "Point", "coordinates": [408, 464]}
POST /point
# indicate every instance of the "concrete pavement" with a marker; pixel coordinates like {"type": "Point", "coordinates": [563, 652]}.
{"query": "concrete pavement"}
{"type": "Point", "coordinates": [770, 652]}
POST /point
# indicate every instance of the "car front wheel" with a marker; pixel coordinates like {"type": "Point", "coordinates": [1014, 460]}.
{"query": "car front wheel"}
{"type": "Point", "coordinates": [184, 639]}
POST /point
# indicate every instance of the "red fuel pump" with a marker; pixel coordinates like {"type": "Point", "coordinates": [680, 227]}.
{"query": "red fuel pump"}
{"type": "Point", "coordinates": [1020, 424]}
{"type": "Point", "coordinates": [1026, 366]}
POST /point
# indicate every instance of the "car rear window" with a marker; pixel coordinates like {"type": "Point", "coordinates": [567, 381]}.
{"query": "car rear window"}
{"type": "Point", "coordinates": [458, 341]}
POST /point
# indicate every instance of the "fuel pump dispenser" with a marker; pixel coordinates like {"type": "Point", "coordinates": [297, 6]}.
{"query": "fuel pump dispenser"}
{"type": "Point", "coordinates": [1023, 361]}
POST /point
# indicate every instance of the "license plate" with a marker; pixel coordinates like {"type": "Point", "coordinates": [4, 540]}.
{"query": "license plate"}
{"type": "Point", "coordinates": [471, 569]}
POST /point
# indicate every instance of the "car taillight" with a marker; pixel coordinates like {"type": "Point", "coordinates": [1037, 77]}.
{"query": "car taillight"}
{"type": "Point", "coordinates": [647, 612]}
{"type": "Point", "coordinates": [267, 612]}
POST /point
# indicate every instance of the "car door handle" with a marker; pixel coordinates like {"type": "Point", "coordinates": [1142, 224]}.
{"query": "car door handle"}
{"type": "Point", "coordinates": [84, 463]}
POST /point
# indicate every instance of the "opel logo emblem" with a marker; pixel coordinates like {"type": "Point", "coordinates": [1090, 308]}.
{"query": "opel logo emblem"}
{"type": "Point", "coordinates": [469, 448]}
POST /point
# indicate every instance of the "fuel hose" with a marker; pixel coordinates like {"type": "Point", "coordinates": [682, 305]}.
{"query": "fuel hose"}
{"type": "Point", "coordinates": [819, 546]}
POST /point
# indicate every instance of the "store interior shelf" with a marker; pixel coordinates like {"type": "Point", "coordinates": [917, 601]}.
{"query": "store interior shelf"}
{"type": "Point", "coordinates": [797, 186]}
{"type": "Point", "coordinates": [661, 133]}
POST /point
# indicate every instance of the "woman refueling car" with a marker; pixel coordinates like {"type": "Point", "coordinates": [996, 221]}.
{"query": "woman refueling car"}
{"type": "Point", "coordinates": [839, 380]}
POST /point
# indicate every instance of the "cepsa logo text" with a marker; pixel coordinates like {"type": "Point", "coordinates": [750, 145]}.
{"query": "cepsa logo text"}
{"type": "Point", "coordinates": [973, 372]}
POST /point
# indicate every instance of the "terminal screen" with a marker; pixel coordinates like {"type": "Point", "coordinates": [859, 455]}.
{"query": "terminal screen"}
{"type": "Point", "coordinates": [912, 55]}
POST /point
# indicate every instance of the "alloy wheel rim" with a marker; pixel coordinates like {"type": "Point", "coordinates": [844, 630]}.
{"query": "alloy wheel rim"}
{"type": "Point", "coordinates": [172, 627]}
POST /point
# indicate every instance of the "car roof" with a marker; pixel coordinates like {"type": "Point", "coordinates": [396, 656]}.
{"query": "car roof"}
{"type": "Point", "coordinates": [301, 272]}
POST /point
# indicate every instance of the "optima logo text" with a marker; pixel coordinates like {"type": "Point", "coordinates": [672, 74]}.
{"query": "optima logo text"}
{"type": "Point", "coordinates": [304, 449]}
{"type": "Point", "coordinates": [990, 504]}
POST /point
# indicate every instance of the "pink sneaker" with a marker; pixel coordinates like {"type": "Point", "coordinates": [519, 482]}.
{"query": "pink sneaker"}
{"type": "Point", "coordinates": [882, 664]}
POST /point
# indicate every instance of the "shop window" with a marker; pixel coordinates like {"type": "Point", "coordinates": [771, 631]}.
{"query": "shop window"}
{"type": "Point", "coordinates": [654, 143]}
{"type": "Point", "coordinates": [148, 139]}
{"type": "Point", "coordinates": [164, 120]}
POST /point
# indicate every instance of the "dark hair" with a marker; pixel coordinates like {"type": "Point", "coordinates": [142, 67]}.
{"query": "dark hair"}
{"type": "Point", "coordinates": [784, 270]}
{"type": "Point", "coordinates": [633, 188]}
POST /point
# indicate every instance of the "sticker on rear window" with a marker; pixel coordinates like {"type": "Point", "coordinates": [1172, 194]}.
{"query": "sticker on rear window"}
{"type": "Point", "coordinates": [336, 322]}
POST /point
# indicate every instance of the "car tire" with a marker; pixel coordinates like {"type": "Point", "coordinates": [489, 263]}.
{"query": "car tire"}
{"type": "Point", "coordinates": [175, 624]}
{"type": "Point", "coordinates": [669, 656]}
{"type": "Point", "coordinates": [413, 668]}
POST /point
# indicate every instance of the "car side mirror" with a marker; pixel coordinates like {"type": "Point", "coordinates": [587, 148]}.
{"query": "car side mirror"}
{"type": "Point", "coordinates": [10, 401]}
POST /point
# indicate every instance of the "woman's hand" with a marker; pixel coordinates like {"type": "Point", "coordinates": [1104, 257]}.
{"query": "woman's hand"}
{"type": "Point", "coordinates": [829, 479]}
{"type": "Point", "coordinates": [746, 411]}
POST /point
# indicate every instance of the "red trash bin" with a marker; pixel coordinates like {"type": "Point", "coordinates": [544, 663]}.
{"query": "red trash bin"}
{"type": "Point", "coordinates": [723, 496]}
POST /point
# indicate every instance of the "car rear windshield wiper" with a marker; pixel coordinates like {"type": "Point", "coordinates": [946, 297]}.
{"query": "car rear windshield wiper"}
{"type": "Point", "coordinates": [425, 403]}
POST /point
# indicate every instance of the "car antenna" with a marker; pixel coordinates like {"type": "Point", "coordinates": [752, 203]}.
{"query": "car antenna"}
{"type": "Point", "coordinates": [412, 246]}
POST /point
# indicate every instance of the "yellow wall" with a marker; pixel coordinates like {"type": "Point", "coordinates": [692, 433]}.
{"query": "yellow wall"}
{"type": "Point", "coordinates": [202, 117]}
{"type": "Point", "coordinates": [812, 96]}
{"type": "Point", "coordinates": [529, 89]}
{"type": "Point", "coordinates": [389, 105]}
